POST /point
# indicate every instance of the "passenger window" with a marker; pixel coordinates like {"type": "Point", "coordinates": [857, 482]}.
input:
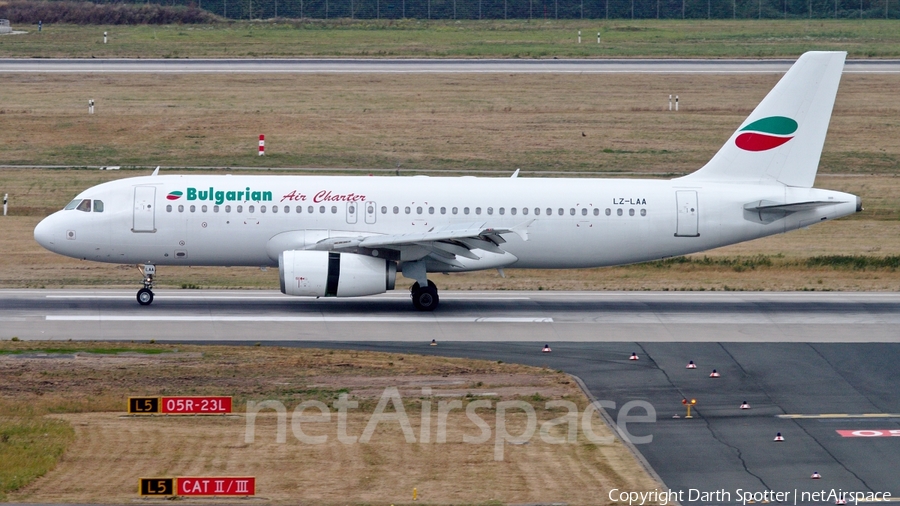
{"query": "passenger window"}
{"type": "Point", "coordinates": [262, 209]}
{"type": "Point", "coordinates": [477, 210]}
{"type": "Point", "coordinates": [180, 209]}
{"type": "Point", "coordinates": [251, 209]}
{"type": "Point", "coordinates": [490, 210]}
{"type": "Point", "coordinates": [72, 205]}
{"type": "Point", "coordinates": [572, 211]}
{"type": "Point", "coordinates": [537, 211]}
{"type": "Point", "coordinates": [443, 210]}
{"type": "Point", "coordinates": [169, 208]}
{"type": "Point", "coordinates": [631, 212]}
{"type": "Point", "coordinates": [311, 209]}
{"type": "Point", "coordinates": [561, 211]}
{"type": "Point", "coordinates": [215, 209]}
{"type": "Point", "coordinates": [274, 209]}
{"type": "Point", "coordinates": [383, 209]}
{"type": "Point", "coordinates": [549, 212]}
{"type": "Point", "coordinates": [465, 210]}
{"type": "Point", "coordinates": [513, 211]}
{"type": "Point", "coordinates": [608, 211]}
{"type": "Point", "coordinates": [596, 211]}
{"type": "Point", "coordinates": [455, 210]}
{"type": "Point", "coordinates": [619, 212]}
{"type": "Point", "coordinates": [396, 210]}
{"type": "Point", "coordinates": [239, 209]}
{"type": "Point", "coordinates": [406, 210]}
{"type": "Point", "coordinates": [431, 210]}
{"type": "Point", "coordinates": [227, 209]}
{"type": "Point", "coordinates": [85, 206]}
{"type": "Point", "coordinates": [203, 208]}
{"type": "Point", "coordinates": [193, 208]}
{"type": "Point", "coordinates": [98, 206]}
{"type": "Point", "coordinates": [333, 209]}
{"type": "Point", "coordinates": [419, 210]}
{"type": "Point", "coordinates": [584, 211]}
{"type": "Point", "coordinates": [643, 212]}
{"type": "Point", "coordinates": [502, 210]}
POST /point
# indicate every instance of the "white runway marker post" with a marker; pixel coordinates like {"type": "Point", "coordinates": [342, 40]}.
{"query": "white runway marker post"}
{"type": "Point", "coordinates": [5, 201]}
{"type": "Point", "coordinates": [262, 145]}
{"type": "Point", "coordinates": [104, 37]}
{"type": "Point", "coordinates": [91, 106]}
{"type": "Point", "coordinates": [579, 36]}
{"type": "Point", "coordinates": [676, 103]}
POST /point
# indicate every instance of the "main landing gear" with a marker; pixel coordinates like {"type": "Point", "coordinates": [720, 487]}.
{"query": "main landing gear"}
{"type": "Point", "coordinates": [424, 298]}
{"type": "Point", "coordinates": [145, 295]}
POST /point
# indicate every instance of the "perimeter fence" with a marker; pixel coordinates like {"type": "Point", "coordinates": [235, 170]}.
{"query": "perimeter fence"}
{"type": "Point", "coordinates": [544, 9]}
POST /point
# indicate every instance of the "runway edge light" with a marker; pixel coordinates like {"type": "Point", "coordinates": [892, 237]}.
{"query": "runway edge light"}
{"type": "Point", "coordinates": [779, 438]}
{"type": "Point", "coordinates": [691, 365]}
{"type": "Point", "coordinates": [633, 356]}
{"type": "Point", "coordinates": [744, 405]}
{"type": "Point", "coordinates": [715, 374]}
{"type": "Point", "coordinates": [816, 475]}
{"type": "Point", "coordinates": [546, 349]}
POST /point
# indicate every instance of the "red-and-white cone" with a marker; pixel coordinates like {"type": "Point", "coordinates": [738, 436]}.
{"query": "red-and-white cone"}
{"type": "Point", "coordinates": [633, 356]}
{"type": "Point", "coordinates": [779, 438]}
{"type": "Point", "coordinates": [546, 349]}
{"type": "Point", "coordinates": [816, 475]}
{"type": "Point", "coordinates": [715, 374]}
{"type": "Point", "coordinates": [744, 405]}
{"type": "Point", "coordinates": [691, 365]}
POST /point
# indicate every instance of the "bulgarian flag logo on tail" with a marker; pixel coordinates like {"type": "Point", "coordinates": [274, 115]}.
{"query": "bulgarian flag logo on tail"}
{"type": "Point", "coordinates": [175, 195]}
{"type": "Point", "coordinates": [767, 133]}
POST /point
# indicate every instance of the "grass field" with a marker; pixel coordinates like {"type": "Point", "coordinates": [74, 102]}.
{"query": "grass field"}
{"type": "Point", "coordinates": [65, 395]}
{"type": "Point", "coordinates": [440, 124]}
{"type": "Point", "coordinates": [536, 38]}
{"type": "Point", "coordinates": [449, 123]}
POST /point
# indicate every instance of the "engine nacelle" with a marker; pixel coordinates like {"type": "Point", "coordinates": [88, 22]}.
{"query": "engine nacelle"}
{"type": "Point", "coordinates": [330, 274]}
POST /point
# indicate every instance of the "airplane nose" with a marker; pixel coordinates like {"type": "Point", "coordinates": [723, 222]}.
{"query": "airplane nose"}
{"type": "Point", "coordinates": [44, 233]}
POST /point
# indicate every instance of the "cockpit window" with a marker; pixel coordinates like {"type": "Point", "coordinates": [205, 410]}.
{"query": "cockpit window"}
{"type": "Point", "coordinates": [85, 206]}
{"type": "Point", "coordinates": [98, 206]}
{"type": "Point", "coordinates": [72, 205]}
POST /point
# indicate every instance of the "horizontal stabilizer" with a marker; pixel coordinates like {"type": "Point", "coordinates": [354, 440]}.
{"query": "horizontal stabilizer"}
{"type": "Point", "coordinates": [765, 205]}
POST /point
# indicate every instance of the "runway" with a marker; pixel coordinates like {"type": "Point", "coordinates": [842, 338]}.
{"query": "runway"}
{"type": "Point", "coordinates": [819, 368]}
{"type": "Point", "coordinates": [418, 66]}
{"type": "Point", "coordinates": [535, 316]}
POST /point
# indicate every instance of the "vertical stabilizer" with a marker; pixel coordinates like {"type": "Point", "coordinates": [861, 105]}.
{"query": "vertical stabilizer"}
{"type": "Point", "coordinates": [782, 138]}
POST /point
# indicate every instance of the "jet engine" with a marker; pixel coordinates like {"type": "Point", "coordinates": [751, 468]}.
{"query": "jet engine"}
{"type": "Point", "coordinates": [330, 274]}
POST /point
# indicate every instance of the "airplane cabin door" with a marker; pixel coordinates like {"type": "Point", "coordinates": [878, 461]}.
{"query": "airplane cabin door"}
{"type": "Point", "coordinates": [144, 213]}
{"type": "Point", "coordinates": [370, 212]}
{"type": "Point", "coordinates": [352, 212]}
{"type": "Point", "coordinates": [688, 214]}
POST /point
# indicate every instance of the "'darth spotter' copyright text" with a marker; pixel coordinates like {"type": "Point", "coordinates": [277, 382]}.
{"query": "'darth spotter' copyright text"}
{"type": "Point", "coordinates": [741, 496]}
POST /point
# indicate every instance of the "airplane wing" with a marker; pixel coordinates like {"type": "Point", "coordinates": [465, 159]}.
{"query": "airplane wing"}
{"type": "Point", "coordinates": [443, 244]}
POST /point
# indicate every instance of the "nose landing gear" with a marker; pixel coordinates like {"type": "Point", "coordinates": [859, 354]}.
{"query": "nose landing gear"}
{"type": "Point", "coordinates": [145, 295]}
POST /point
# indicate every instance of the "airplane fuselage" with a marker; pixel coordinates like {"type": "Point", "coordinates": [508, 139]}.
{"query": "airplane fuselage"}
{"type": "Point", "coordinates": [568, 223]}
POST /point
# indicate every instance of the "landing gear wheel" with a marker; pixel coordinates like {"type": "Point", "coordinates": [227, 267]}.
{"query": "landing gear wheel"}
{"type": "Point", "coordinates": [425, 298]}
{"type": "Point", "coordinates": [144, 296]}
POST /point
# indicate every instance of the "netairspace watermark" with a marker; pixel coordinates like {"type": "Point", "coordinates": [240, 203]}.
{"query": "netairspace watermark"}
{"type": "Point", "coordinates": [744, 497]}
{"type": "Point", "coordinates": [499, 436]}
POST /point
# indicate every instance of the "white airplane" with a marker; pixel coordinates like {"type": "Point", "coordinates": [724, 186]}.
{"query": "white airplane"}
{"type": "Point", "coordinates": [334, 236]}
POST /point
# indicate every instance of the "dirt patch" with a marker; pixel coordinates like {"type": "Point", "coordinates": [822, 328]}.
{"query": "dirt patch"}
{"type": "Point", "coordinates": [111, 453]}
{"type": "Point", "coordinates": [87, 386]}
